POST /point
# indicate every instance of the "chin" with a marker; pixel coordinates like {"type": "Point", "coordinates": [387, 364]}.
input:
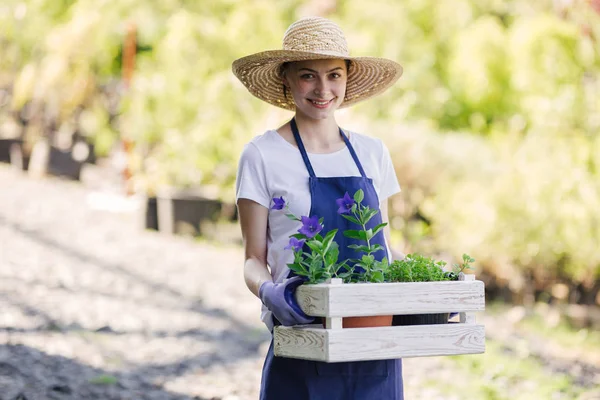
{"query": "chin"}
{"type": "Point", "coordinates": [322, 115]}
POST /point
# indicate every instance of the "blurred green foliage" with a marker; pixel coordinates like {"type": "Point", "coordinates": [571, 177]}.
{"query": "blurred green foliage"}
{"type": "Point", "coordinates": [494, 127]}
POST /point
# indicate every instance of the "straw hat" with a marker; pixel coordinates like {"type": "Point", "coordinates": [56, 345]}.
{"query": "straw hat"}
{"type": "Point", "coordinates": [314, 38]}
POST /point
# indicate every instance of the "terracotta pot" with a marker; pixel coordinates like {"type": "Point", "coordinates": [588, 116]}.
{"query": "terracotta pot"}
{"type": "Point", "coordinates": [366, 322]}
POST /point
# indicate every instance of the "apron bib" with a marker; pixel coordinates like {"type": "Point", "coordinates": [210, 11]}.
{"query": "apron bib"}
{"type": "Point", "coordinates": [294, 379]}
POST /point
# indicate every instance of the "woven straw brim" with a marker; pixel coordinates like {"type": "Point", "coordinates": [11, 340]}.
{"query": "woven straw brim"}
{"type": "Point", "coordinates": [368, 76]}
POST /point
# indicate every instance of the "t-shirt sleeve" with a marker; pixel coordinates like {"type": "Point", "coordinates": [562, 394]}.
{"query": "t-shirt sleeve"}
{"type": "Point", "coordinates": [251, 179]}
{"type": "Point", "coordinates": [389, 180]}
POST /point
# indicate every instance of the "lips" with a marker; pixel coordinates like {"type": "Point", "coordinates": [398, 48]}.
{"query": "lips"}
{"type": "Point", "coordinates": [321, 103]}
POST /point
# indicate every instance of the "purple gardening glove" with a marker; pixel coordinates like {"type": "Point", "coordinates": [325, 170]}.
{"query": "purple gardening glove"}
{"type": "Point", "coordinates": [279, 299]}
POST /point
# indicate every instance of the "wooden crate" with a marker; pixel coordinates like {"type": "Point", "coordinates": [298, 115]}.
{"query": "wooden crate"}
{"type": "Point", "coordinates": [336, 300]}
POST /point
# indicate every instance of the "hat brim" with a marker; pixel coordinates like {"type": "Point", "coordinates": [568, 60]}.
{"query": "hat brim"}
{"type": "Point", "coordinates": [368, 76]}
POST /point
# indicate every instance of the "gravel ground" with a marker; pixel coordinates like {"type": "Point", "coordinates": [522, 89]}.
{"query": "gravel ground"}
{"type": "Point", "coordinates": [94, 307]}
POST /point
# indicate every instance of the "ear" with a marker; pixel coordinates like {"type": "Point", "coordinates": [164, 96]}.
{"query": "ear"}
{"type": "Point", "coordinates": [285, 81]}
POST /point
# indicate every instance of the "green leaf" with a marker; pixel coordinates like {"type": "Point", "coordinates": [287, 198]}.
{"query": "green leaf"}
{"type": "Point", "coordinates": [367, 259]}
{"type": "Point", "coordinates": [298, 256]}
{"type": "Point", "coordinates": [378, 228]}
{"type": "Point", "coordinates": [363, 248]}
{"type": "Point", "coordinates": [292, 217]}
{"type": "Point", "coordinates": [328, 242]}
{"type": "Point", "coordinates": [376, 247]}
{"type": "Point", "coordinates": [343, 267]}
{"type": "Point", "coordinates": [331, 257]}
{"type": "Point", "coordinates": [298, 236]}
{"type": "Point", "coordinates": [370, 213]}
{"type": "Point", "coordinates": [298, 269]}
{"type": "Point", "coordinates": [369, 234]}
{"type": "Point", "coordinates": [330, 235]}
{"type": "Point", "coordinates": [315, 245]}
{"type": "Point", "coordinates": [377, 276]}
{"type": "Point", "coordinates": [350, 218]}
{"type": "Point", "coordinates": [321, 220]}
{"type": "Point", "coordinates": [316, 265]}
{"type": "Point", "coordinates": [359, 196]}
{"type": "Point", "coordinates": [352, 234]}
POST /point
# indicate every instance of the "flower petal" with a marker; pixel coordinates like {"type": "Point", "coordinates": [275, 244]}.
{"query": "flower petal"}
{"type": "Point", "coordinates": [278, 203]}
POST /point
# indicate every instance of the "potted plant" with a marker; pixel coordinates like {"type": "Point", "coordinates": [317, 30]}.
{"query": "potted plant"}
{"type": "Point", "coordinates": [355, 293]}
{"type": "Point", "coordinates": [418, 268]}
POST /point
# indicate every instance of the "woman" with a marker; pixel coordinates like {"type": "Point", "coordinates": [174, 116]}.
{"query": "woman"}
{"type": "Point", "coordinates": [310, 162]}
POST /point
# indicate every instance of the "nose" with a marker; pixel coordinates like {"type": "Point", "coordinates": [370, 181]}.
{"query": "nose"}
{"type": "Point", "coordinates": [321, 87]}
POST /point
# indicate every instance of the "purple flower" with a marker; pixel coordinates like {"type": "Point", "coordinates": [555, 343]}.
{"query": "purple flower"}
{"type": "Point", "coordinates": [295, 244]}
{"type": "Point", "coordinates": [279, 203]}
{"type": "Point", "coordinates": [345, 204]}
{"type": "Point", "coordinates": [310, 226]}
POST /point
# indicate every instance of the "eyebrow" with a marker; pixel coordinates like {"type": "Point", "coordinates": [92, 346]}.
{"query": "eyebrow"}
{"type": "Point", "coordinates": [316, 72]}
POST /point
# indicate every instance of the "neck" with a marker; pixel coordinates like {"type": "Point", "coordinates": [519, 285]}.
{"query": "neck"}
{"type": "Point", "coordinates": [320, 133]}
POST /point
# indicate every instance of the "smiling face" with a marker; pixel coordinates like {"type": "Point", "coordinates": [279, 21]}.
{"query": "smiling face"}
{"type": "Point", "coordinates": [317, 86]}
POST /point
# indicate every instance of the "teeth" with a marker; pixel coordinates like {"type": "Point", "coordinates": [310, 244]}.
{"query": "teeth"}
{"type": "Point", "coordinates": [320, 103]}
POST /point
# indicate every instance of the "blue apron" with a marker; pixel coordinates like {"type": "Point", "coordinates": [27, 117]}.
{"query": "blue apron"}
{"type": "Point", "coordinates": [294, 379]}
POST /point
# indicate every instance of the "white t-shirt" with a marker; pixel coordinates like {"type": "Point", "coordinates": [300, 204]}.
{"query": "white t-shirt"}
{"type": "Point", "coordinates": [271, 167]}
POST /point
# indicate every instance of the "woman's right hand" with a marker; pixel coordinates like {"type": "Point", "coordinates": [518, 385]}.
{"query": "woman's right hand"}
{"type": "Point", "coordinates": [279, 299]}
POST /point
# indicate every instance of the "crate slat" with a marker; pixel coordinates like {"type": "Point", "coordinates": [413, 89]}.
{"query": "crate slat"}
{"type": "Point", "coordinates": [327, 300]}
{"type": "Point", "coordinates": [334, 345]}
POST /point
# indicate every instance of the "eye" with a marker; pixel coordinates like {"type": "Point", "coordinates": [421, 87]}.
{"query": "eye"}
{"type": "Point", "coordinates": [307, 76]}
{"type": "Point", "coordinates": [336, 75]}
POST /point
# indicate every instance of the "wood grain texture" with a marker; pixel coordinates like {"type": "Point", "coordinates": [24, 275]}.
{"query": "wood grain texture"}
{"type": "Point", "coordinates": [335, 322]}
{"type": "Point", "coordinates": [466, 317]}
{"type": "Point", "coordinates": [378, 343]}
{"type": "Point", "coordinates": [305, 342]}
{"type": "Point", "coordinates": [362, 299]}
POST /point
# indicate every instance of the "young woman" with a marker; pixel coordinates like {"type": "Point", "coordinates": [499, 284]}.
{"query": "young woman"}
{"type": "Point", "coordinates": [310, 162]}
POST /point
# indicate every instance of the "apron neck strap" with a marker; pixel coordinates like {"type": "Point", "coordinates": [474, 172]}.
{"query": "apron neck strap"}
{"type": "Point", "coordinates": [305, 155]}
{"type": "Point", "coordinates": [301, 147]}
{"type": "Point", "coordinates": [353, 153]}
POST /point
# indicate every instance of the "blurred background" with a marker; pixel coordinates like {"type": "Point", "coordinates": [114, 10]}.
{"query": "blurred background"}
{"type": "Point", "coordinates": [120, 129]}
